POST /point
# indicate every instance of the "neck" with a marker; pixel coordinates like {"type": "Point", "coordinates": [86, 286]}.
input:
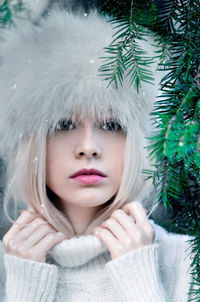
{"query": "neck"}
{"type": "Point", "coordinates": [80, 217]}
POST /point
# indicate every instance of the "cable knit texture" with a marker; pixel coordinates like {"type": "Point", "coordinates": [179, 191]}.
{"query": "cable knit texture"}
{"type": "Point", "coordinates": [81, 269]}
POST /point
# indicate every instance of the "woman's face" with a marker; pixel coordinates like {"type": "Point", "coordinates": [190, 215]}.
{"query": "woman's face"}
{"type": "Point", "coordinates": [85, 145]}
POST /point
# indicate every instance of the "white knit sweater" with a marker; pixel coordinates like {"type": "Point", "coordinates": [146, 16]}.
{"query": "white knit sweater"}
{"type": "Point", "coordinates": [81, 269]}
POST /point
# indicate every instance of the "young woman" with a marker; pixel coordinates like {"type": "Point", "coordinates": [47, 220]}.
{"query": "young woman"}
{"type": "Point", "coordinates": [75, 152]}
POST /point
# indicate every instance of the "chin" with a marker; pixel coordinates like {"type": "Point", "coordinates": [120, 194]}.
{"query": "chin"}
{"type": "Point", "coordinates": [97, 200]}
{"type": "Point", "coordinates": [91, 200]}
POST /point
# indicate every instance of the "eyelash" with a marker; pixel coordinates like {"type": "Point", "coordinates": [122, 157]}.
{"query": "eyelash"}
{"type": "Point", "coordinates": [65, 125]}
{"type": "Point", "coordinates": [112, 126]}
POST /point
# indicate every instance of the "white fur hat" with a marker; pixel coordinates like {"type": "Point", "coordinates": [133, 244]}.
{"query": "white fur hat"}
{"type": "Point", "coordinates": [48, 71]}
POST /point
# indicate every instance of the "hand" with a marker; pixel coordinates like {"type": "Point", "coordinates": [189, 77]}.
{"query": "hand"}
{"type": "Point", "coordinates": [33, 240]}
{"type": "Point", "coordinates": [122, 234]}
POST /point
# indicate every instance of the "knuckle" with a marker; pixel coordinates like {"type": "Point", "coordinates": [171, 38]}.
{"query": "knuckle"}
{"type": "Point", "coordinates": [134, 205]}
{"type": "Point", "coordinates": [51, 236]}
{"type": "Point", "coordinates": [38, 221]}
{"type": "Point", "coordinates": [117, 213]}
{"type": "Point", "coordinates": [137, 203]}
{"type": "Point", "coordinates": [109, 222]}
{"type": "Point", "coordinates": [26, 214]}
{"type": "Point", "coordinates": [103, 232]}
{"type": "Point", "coordinates": [31, 254]}
{"type": "Point", "coordinates": [4, 239]}
{"type": "Point", "coordinates": [129, 205]}
{"type": "Point", "coordinates": [120, 247]}
{"type": "Point", "coordinates": [12, 244]}
{"type": "Point", "coordinates": [44, 228]}
{"type": "Point", "coordinates": [128, 242]}
{"type": "Point", "coordinates": [22, 249]}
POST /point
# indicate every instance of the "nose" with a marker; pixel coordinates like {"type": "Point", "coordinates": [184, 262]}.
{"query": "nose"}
{"type": "Point", "coordinates": [87, 146]}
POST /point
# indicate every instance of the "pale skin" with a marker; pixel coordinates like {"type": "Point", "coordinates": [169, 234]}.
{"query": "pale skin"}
{"type": "Point", "coordinates": [91, 146]}
{"type": "Point", "coordinates": [122, 235]}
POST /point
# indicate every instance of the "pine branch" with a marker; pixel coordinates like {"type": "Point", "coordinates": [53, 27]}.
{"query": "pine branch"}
{"type": "Point", "coordinates": [5, 14]}
{"type": "Point", "coordinates": [127, 58]}
{"type": "Point", "coordinates": [167, 17]}
{"type": "Point", "coordinates": [176, 114]}
{"type": "Point", "coordinates": [10, 10]}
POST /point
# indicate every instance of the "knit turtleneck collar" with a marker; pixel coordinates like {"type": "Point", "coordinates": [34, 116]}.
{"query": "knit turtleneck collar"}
{"type": "Point", "coordinates": [77, 251]}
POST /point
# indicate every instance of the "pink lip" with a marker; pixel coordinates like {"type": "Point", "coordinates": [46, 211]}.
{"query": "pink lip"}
{"type": "Point", "coordinates": [88, 179]}
{"type": "Point", "coordinates": [86, 176]}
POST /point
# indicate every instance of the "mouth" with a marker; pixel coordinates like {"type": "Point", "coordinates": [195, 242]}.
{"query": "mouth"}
{"type": "Point", "coordinates": [86, 176]}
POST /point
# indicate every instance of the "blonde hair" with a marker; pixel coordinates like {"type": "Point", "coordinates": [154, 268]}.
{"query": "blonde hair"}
{"type": "Point", "coordinates": [64, 85]}
{"type": "Point", "coordinates": [29, 178]}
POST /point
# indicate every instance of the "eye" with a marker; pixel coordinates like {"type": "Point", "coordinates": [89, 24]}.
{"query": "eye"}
{"type": "Point", "coordinates": [111, 126]}
{"type": "Point", "coordinates": [64, 125]}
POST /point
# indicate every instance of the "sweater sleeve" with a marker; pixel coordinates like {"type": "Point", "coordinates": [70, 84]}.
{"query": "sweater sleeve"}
{"type": "Point", "coordinates": [158, 273]}
{"type": "Point", "coordinates": [28, 281]}
{"type": "Point", "coordinates": [135, 276]}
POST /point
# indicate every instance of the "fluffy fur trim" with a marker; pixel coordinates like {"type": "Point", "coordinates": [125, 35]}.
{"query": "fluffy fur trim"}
{"type": "Point", "coordinates": [51, 70]}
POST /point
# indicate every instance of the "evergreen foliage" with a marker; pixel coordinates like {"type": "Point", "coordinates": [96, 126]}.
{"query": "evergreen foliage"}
{"type": "Point", "coordinates": [9, 10]}
{"type": "Point", "coordinates": [176, 114]}
{"type": "Point", "coordinates": [124, 51]}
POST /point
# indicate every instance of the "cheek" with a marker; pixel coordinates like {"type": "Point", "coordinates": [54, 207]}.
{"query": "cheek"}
{"type": "Point", "coordinates": [53, 162]}
{"type": "Point", "coordinates": [116, 159]}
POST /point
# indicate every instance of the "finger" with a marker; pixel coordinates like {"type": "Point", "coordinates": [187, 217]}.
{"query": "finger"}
{"type": "Point", "coordinates": [137, 211]}
{"type": "Point", "coordinates": [125, 221]}
{"type": "Point", "coordinates": [27, 231]}
{"type": "Point", "coordinates": [23, 220]}
{"type": "Point", "coordinates": [117, 230]}
{"type": "Point", "coordinates": [48, 242]}
{"type": "Point", "coordinates": [26, 217]}
{"type": "Point", "coordinates": [109, 240]}
{"type": "Point", "coordinates": [37, 236]}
